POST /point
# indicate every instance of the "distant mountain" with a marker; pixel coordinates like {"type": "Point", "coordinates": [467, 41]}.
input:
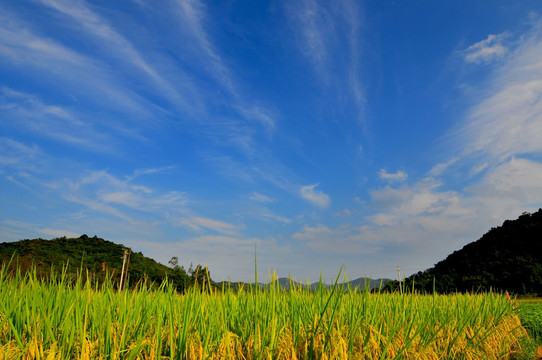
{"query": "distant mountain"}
{"type": "Point", "coordinates": [362, 282]}
{"type": "Point", "coordinates": [357, 284]}
{"type": "Point", "coordinates": [507, 258]}
{"type": "Point", "coordinates": [92, 254]}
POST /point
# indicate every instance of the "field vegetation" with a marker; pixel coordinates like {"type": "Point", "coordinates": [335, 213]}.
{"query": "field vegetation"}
{"type": "Point", "coordinates": [531, 317]}
{"type": "Point", "coordinates": [54, 318]}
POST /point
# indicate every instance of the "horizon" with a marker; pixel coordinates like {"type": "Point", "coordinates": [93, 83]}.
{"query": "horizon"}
{"type": "Point", "coordinates": [313, 134]}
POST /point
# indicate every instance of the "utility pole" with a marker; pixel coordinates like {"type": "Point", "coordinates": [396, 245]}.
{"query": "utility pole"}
{"type": "Point", "coordinates": [125, 265]}
{"type": "Point", "coordinates": [399, 277]}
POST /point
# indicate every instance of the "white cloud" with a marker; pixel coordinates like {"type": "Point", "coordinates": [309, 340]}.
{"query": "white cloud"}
{"type": "Point", "coordinates": [150, 171]}
{"type": "Point", "coordinates": [266, 213]}
{"type": "Point", "coordinates": [419, 199]}
{"type": "Point", "coordinates": [192, 15]}
{"type": "Point", "coordinates": [344, 213]}
{"type": "Point", "coordinates": [32, 113]}
{"type": "Point", "coordinates": [18, 155]}
{"type": "Point", "coordinates": [339, 243]}
{"type": "Point", "coordinates": [106, 188]}
{"type": "Point", "coordinates": [508, 120]}
{"type": "Point", "coordinates": [382, 219]}
{"type": "Point", "coordinates": [326, 33]}
{"type": "Point", "coordinates": [259, 114]}
{"type": "Point", "coordinates": [121, 197]}
{"type": "Point", "coordinates": [311, 22]}
{"type": "Point", "coordinates": [99, 207]}
{"type": "Point", "coordinates": [511, 186]}
{"type": "Point", "coordinates": [77, 73]}
{"type": "Point", "coordinates": [440, 168]}
{"type": "Point", "coordinates": [199, 223]}
{"type": "Point", "coordinates": [397, 176]}
{"type": "Point", "coordinates": [97, 26]}
{"type": "Point", "coordinates": [486, 50]}
{"type": "Point", "coordinates": [310, 233]}
{"type": "Point", "coordinates": [18, 230]}
{"type": "Point", "coordinates": [261, 198]}
{"type": "Point", "coordinates": [316, 197]}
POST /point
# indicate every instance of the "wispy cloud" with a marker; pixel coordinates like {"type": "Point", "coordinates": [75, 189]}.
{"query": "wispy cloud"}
{"type": "Point", "coordinates": [343, 213]}
{"type": "Point", "coordinates": [341, 242]}
{"type": "Point", "coordinates": [266, 213]}
{"type": "Point", "coordinates": [498, 141]}
{"type": "Point", "coordinates": [440, 168]}
{"type": "Point", "coordinates": [486, 50]}
{"type": "Point", "coordinates": [199, 223]}
{"type": "Point", "coordinates": [314, 196]}
{"type": "Point", "coordinates": [57, 122]}
{"type": "Point", "coordinates": [108, 190]}
{"type": "Point", "coordinates": [507, 122]}
{"type": "Point", "coordinates": [261, 198]}
{"type": "Point", "coordinates": [314, 26]}
{"type": "Point", "coordinates": [192, 14]}
{"type": "Point", "coordinates": [58, 232]}
{"type": "Point", "coordinates": [117, 45]}
{"type": "Point", "coordinates": [310, 233]}
{"type": "Point", "coordinates": [19, 228]}
{"type": "Point", "coordinates": [18, 155]}
{"type": "Point", "coordinates": [193, 20]}
{"type": "Point", "coordinates": [323, 31]}
{"type": "Point", "coordinates": [23, 46]}
{"type": "Point", "coordinates": [397, 176]}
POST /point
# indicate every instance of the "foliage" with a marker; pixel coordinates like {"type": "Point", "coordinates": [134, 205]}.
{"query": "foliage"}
{"type": "Point", "coordinates": [53, 319]}
{"type": "Point", "coordinates": [531, 318]}
{"type": "Point", "coordinates": [507, 258]}
{"type": "Point", "coordinates": [93, 257]}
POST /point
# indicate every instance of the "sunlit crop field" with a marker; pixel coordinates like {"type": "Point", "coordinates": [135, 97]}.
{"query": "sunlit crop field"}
{"type": "Point", "coordinates": [51, 320]}
{"type": "Point", "coordinates": [531, 318]}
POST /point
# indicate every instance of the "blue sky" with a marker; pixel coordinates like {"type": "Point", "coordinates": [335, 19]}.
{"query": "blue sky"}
{"type": "Point", "coordinates": [369, 134]}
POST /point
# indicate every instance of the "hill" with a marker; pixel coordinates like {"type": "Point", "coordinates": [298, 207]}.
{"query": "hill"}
{"type": "Point", "coordinates": [95, 255]}
{"type": "Point", "coordinates": [285, 283]}
{"type": "Point", "coordinates": [506, 258]}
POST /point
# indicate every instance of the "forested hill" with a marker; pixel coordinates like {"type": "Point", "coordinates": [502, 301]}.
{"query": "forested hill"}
{"type": "Point", "coordinates": [507, 258]}
{"type": "Point", "coordinates": [94, 254]}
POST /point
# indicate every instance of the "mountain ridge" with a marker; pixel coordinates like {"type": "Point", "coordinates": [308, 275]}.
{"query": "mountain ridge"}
{"type": "Point", "coordinates": [506, 258]}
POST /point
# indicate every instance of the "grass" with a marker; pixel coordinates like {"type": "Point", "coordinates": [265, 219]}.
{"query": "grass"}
{"type": "Point", "coordinates": [54, 319]}
{"type": "Point", "coordinates": [531, 317]}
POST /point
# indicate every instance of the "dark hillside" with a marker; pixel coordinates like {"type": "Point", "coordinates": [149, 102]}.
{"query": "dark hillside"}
{"type": "Point", "coordinates": [92, 254]}
{"type": "Point", "coordinates": [506, 258]}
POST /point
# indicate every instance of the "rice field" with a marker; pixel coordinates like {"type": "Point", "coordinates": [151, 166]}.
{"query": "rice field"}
{"type": "Point", "coordinates": [531, 317]}
{"type": "Point", "coordinates": [55, 320]}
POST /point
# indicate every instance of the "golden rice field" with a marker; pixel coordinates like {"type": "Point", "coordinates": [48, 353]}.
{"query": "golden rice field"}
{"type": "Point", "coordinates": [53, 320]}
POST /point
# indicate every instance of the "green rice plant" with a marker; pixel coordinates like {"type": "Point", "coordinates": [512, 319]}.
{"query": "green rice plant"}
{"type": "Point", "coordinates": [531, 317]}
{"type": "Point", "coordinates": [60, 319]}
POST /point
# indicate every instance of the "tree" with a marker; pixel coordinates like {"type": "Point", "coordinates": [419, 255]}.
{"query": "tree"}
{"type": "Point", "coordinates": [178, 275]}
{"type": "Point", "coordinates": [174, 262]}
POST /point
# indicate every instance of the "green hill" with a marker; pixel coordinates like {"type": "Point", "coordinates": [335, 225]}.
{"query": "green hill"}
{"type": "Point", "coordinates": [506, 258]}
{"type": "Point", "coordinates": [93, 254]}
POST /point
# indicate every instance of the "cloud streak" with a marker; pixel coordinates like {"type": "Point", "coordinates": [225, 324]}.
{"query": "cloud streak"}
{"type": "Point", "coordinates": [325, 31]}
{"type": "Point", "coordinates": [314, 196]}
{"type": "Point", "coordinates": [397, 176]}
{"type": "Point", "coordinates": [117, 44]}
{"type": "Point", "coordinates": [199, 223]}
{"type": "Point", "coordinates": [486, 50]}
{"type": "Point", "coordinates": [507, 122]}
